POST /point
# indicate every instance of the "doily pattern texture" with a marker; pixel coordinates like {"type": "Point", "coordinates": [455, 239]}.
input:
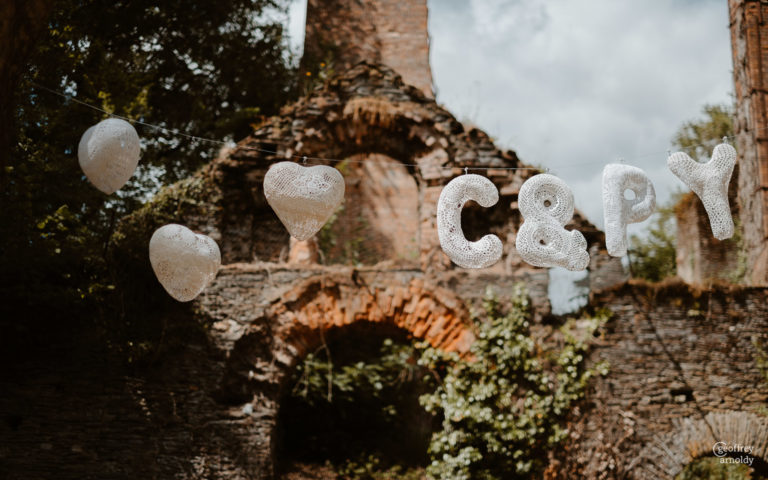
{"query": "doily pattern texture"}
{"type": "Point", "coordinates": [184, 262]}
{"type": "Point", "coordinates": [482, 253]}
{"type": "Point", "coordinates": [304, 198]}
{"type": "Point", "coordinates": [108, 154]}
{"type": "Point", "coordinates": [619, 211]}
{"type": "Point", "coordinates": [710, 182]}
{"type": "Point", "coordinates": [546, 204]}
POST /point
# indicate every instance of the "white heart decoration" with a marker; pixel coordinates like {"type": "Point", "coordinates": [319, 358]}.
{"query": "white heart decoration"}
{"type": "Point", "coordinates": [304, 198]}
{"type": "Point", "coordinates": [108, 154]}
{"type": "Point", "coordinates": [184, 262]}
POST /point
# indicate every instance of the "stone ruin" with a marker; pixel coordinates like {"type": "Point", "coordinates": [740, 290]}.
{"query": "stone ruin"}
{"type": "Point", "coordinates": [682, 360]}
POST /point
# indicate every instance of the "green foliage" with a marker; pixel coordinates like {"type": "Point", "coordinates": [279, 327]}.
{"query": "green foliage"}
{"type": "Point", "coordinates": [354, 404]}
{"type": "Point", "coordinates": [320, 381]}
{"type": "Point", "coordinates": [209, 67]}
{"type": "Point", "coordinates": [653, 256]}
{"type": "Point", "coordinates": [710, 468]}
{"type": "Point", "coordinates": [503, 409]}
{"type": "Point", "coordinates": [370, 468]}
{"type": "Point", "coordinates": [698, 138]}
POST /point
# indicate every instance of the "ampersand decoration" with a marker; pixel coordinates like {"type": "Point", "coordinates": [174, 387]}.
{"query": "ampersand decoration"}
{"type": "Point", "coordinates": [482, 253]}
{"type": "Point", "coordinates": [184, 262]}
{"type": "Point", "coordinates": [108, 154]}
{"type": "Point", "coordinates": [304, 198]}
{"type": "Point", "coordinates": [618, 211]}
{"type": "Point", "coordinates": [546, 204]}
{"type": "Point", "coordinates": [710, 182]}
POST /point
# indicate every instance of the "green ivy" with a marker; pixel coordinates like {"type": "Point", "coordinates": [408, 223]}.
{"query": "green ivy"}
{"type": "Point", "coordinates": [498, 412]}
{"type": "Point", "coordinates": [710, 468]}
{"type": "Point", "coordinates": [504, 407]}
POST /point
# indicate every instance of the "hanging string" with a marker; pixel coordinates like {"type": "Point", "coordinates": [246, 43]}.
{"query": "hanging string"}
{"type": "Point", "coordinates": [323, 160]}
{"type": "Point", "coordinates": [303, 158]}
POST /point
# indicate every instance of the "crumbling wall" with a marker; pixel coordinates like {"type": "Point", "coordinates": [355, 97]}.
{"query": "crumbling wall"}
{"type": "Point", "coordinates": [749, 42]}
{"type": "Point", "coordinates": [677, 356]}
{"type": "Point", "coordinates": [700, 257]}
{"type": "Point", "coordinates": [342, 33]}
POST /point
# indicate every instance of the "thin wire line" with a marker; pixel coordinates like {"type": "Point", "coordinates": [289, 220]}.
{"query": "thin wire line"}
{"type": "Point", "coordinates": [304, 158]}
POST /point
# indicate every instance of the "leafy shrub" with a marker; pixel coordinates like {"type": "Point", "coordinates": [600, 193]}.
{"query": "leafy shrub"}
{"type": "Point", "coordinates": [503, 408]}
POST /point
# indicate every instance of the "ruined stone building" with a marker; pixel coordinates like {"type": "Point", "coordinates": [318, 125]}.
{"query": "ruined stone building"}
{"type": "Point", "coordinates": [744, 258]}
{"type": "Point", "coordinates": [682, 361]}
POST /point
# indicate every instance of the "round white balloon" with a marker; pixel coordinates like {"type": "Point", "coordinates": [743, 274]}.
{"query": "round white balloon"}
{"type": "Point", "coordinates": [109, 153]}
{"type": "Point", "coordinates": [184, 262]}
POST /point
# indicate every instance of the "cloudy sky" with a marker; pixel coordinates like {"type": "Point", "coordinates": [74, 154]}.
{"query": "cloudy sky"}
{"type": "Point", "coordinates": [573, 85]}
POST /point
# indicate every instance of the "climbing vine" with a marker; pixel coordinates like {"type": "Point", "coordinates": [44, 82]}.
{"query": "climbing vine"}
{"type": "Point", "coordinates": [503, 409]}
{"type": "Point", "coordinates": [497, 413]}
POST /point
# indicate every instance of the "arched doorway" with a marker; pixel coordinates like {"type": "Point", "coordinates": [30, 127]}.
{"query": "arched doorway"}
{"type": "Point", "coordinates": [352, 405]}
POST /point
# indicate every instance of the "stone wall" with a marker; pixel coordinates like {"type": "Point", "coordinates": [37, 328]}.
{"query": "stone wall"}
{"type": "Point", "coordinates": [390, 32]}
{"type": "Point", "coordinates": [749, 41]}
{"type": "Point", "coordinates": [700, 257]}
{"type": "Point", "coordinates": [681, 360]}
{"type": "Point", "coordinates": [682, 374]}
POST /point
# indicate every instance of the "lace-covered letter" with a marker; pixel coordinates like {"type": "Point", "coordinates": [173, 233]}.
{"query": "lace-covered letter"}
{"type": "Point", "coordinates": [710, 182]}
{"type": "Point", "coordinates": [486, 251]}
{"type": "Point", "coordinates": [618, 211]}
{"type": "Point", "coordinates": [546, 204]}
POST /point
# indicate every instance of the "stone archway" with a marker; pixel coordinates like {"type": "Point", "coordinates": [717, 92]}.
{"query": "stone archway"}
{"type": "Point", "coordinates": [268, 327]}
{"type": "Point", "coordinates": [321, 303]}
{"type": "Point", "coordinates": [694, 438]}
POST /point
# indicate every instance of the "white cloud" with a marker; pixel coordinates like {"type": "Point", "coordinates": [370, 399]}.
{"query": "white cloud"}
{"type": "Point", "coordinates": [575, 85]}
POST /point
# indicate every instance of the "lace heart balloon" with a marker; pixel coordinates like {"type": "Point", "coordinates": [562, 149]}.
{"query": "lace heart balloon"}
{"type": "Point", "coordinates": [184, 262]}
{"type": "Point", "coordinates": [304, 198]}
{"type": "Point", "coordinates": [108, 154]}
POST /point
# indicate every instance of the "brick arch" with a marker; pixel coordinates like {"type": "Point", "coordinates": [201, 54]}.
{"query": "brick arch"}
{"type": "Point", "coordinates": [316, 305]}
{"type": "Point", "coordinates": [693, 438]}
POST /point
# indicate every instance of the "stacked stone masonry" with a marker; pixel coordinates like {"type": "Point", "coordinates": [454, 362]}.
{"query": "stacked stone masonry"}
{"type": "Point", "coordinates": [683, 375]}
{"type": "Point", "coordinates": [341, 33]}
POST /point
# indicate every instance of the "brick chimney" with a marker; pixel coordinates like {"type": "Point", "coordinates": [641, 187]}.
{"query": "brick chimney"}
{"type": "Point", "coordinates": [749, 42]}
{"type": "Point", "coordinates": [342, 33]}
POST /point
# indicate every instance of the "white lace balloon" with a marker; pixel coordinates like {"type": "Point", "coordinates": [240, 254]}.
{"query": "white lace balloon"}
{"type": "Point", "coordinates": [486, 251]}
{"type": "Point", "coordinates": [710, 182]}
{"type": "Point", "coordinates": [546, 204]}
{"type": "Point", "coordinates": [184, 262]}
{"type": "Point", "coordinates": [304, 198]}
{"type": "Point", "coordinates": [108, 154]}
{"type": "Point", "coordinates": [618, 211]}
